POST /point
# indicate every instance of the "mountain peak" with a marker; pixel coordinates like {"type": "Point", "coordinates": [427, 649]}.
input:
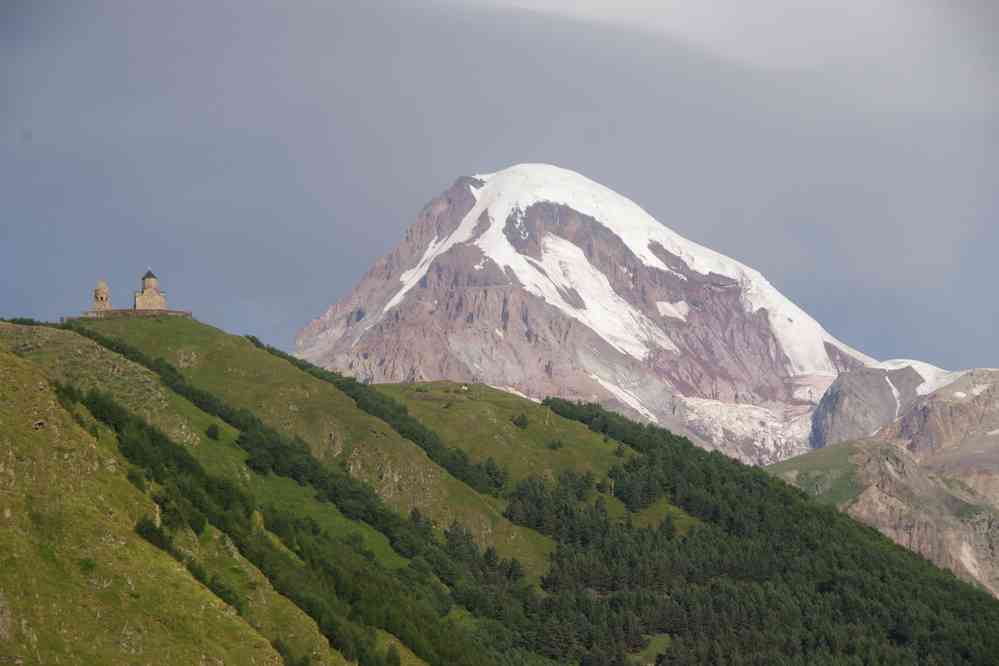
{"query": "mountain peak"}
{"type": "Point", "coordinates": [540, 279]}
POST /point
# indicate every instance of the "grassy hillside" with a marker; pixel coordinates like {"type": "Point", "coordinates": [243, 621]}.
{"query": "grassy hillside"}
{"type": "Point", "coordinates": [77, 585]}
{"type": "Point", "coordinates": [72, 359]}
{"type": "Point", "coordinates": [328, 420]}
{"type": "Point", "coordinates": [828, 474]}
{"type": "Point", "coordinates": [479, 420]}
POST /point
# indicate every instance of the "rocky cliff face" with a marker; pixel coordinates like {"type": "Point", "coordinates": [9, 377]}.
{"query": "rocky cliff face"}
{"type": "Point", "coordinates": [948, 524]}
{"type": "Point", "coordinates": [888, 488]}
{"type": "Point", "coordinates": [862, 400]}
{"type": "Point", "coordinates": [538, 280]}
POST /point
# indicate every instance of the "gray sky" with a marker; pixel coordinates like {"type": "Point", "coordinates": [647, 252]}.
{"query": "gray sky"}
{"type": "Point", "coordinates": [259, 156]}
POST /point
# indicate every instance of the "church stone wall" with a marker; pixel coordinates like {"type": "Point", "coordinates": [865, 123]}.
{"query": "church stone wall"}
{"type": "Point", "coordinates": [150, 299]}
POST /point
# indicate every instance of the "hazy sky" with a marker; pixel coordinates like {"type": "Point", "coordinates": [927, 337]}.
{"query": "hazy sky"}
{"type": "Point", "coordinates": [259, 156]}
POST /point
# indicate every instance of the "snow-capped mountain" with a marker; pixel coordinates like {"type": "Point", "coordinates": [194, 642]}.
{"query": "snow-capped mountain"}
{"type": "Point", "coordinates": [541, 281]}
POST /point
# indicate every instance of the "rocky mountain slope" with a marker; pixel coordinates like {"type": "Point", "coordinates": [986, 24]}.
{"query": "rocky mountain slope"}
{"type": "Point", "coordinates": [541, 281]}
{"type": "Point", "coordinates": [916, 455]}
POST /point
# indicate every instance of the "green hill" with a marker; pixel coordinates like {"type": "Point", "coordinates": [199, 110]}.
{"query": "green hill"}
{"type": "Point", "coordinates": [77, 585]}
{"type": "Point", "coordinates": [262, 510]}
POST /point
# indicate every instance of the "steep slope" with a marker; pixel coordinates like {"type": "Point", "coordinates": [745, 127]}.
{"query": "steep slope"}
{"type": "Point", "coordinates": [540, 280]}
{"type": "Point", "coordinates": [331, 424]}
{"type": "Point", "coordinates": [77, 584]}
{"type": "Point", "coordinates": [882, 484]}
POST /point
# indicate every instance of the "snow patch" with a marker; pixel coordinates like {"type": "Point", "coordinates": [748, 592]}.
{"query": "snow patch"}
{"type": "Point", "coordinates": [677, 310]}
{"type": "Point", "coordinates": [510, 389]}
{"type": "Point", "coordinates": [960, 394]}
{"type": "Point", "coordinates": [979, 389]}
{"type": "Point", "coordinates": [934, 378]}
{"type": "Point", "coordinates": [498, 332]}
{"type": "Point", "coordinates": [894, 392]}
{"type": "Point", "coordinates": [564, 267]}
{"type": "Point", "coordinates": [411, 277]}
{"type": "Point", "coordinates": [993, 433]}
{"type": "Point", "coordinates": [626, 397]}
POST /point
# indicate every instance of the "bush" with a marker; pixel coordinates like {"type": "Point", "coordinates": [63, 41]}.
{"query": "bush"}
{"type": "Point", "coordinates": [87, 565]}
{"type": "Point", "coordinates": [213, 432]}
{"type": "Point", "coordinates": [147, 529]}
{"type": "Point", "coordinates": [137, 478]}
{"type": "Point", "coordinates": [521, 421]}
{"type": "Point", "coordinates": [555, 444]}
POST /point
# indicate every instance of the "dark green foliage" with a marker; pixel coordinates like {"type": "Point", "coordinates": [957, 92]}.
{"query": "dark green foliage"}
{"type": "Point", "coordinates": [87, 565]}
{"type": "Point", "coordinates": [27, 321]}
{"type": "Point", "coordinates": [148, 530]}
{"type": "Point", "coordinates": [520, 420]}
{"type": "Point", "coordinates": [212, 432]}
{"type": "Point", "coordinates": [555, 444]}
{"type": "Point", "coordinates": [485, 477]}
{"type": "Point", "coordinates": [137, 478]}
{"type": "Point", "coordinates": [769, 577]}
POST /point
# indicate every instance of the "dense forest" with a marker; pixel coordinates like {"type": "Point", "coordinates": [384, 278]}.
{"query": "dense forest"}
{"type": "Point", "coordinates": [766, 576]}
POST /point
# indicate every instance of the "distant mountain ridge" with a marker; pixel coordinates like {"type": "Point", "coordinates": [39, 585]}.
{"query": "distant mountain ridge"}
{"type": "Point", "coordinates": [539, 280]}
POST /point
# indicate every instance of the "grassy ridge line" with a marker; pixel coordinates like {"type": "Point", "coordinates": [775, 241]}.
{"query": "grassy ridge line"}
{"type": "Point", "coordinates": [486, 477]}
{"type": "Point", "coordinates": [337, 587]}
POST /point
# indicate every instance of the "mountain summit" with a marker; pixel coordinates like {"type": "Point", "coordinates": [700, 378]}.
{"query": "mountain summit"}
{"type": "Point", "coordinates": [540, 281]}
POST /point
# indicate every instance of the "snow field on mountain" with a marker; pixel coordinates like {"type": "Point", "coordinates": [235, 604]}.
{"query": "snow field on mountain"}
{"type": "Point", "coordinates": [934, 378]}
{"type": "Point", "coordinates": [519, 187]}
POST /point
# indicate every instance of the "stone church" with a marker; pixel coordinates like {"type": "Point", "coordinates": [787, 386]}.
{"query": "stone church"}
{"type": "Point", "coordinates": [150, 300]}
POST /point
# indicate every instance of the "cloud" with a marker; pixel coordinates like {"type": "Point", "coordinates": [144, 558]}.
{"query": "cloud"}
{"type": "Point", "coordinates": [919, 48]}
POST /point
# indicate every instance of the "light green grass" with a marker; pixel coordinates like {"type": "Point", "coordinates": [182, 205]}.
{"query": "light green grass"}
{"type": "Point", "coordinates": [647, 657]}
{"type": "Point", "coordinates": [77, 585]}
{"type": "Point", "coordinates": [655, 514]}
{"type": "Point", "coordinates": [479, 420]}
{"type": "Point", "coordinates": [828, 474]}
